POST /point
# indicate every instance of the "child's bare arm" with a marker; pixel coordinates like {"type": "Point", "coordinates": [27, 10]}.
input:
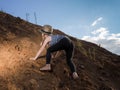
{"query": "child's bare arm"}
{"type": "Point", "coordinates": [41, 49]}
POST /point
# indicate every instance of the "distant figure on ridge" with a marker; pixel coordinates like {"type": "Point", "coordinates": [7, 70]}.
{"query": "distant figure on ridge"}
{"type": "Point", "coordinates": [56, 43]}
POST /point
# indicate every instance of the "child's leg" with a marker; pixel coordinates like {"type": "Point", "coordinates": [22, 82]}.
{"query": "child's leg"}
{"type": "Point", "coordinates": [51, 49]}
{"type": "Point", "coordinates": [69, 56]}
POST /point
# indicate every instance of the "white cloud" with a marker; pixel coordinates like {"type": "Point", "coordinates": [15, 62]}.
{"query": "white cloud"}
{"type": "Point", "coordinates": [96, 21]}
{"type": "Point", "coordinates": [107, 40]}
{"type": "Point", "coordinates": [101, 33]}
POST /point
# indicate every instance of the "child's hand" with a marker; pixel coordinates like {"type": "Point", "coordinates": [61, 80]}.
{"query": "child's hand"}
{"type": "Point", "coordinates": [32, 59]}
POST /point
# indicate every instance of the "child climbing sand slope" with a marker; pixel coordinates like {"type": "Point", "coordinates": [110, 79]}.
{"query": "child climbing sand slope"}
{"type": "Point", "coordinates": [56, 43]}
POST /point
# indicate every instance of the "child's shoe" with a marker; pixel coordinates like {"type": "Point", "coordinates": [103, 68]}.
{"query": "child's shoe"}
{"type": "Point", "coordinates": [75, 75]}
{"type": "Point", "coordinates": [47, 67]}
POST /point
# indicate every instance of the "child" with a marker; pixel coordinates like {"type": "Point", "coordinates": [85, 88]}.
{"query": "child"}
{"type": "Point", "coordinates": [56, 43]}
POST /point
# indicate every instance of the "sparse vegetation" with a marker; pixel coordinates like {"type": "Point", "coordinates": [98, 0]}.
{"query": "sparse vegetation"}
{"type": "Point", "coordinates": [81, 48]}
{"type": "Point", "coordinates": [89, 52]}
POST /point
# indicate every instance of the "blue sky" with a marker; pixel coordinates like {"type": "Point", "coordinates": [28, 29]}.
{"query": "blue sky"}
{"type": "Point", "coordinates": [96, 21]}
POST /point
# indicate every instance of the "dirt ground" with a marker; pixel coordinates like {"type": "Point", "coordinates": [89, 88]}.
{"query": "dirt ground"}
{"type": "Point", "coordinates": [98, 68]}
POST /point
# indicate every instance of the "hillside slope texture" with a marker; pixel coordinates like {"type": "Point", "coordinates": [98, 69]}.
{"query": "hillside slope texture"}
{"type": "Point", "coordinates": [98, 68]}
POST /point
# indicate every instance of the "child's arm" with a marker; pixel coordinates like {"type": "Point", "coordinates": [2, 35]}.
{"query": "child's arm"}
{"type": "Point", "coordinates": [41, 49]}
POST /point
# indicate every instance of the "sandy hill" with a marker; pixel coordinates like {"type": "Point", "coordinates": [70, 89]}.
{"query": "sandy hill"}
{"type": "Point", "coordinates": [98, 68]}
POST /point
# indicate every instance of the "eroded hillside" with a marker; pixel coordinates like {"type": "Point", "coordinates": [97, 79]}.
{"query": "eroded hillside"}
{"type": "Point", "coordinates": [98, 68]}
